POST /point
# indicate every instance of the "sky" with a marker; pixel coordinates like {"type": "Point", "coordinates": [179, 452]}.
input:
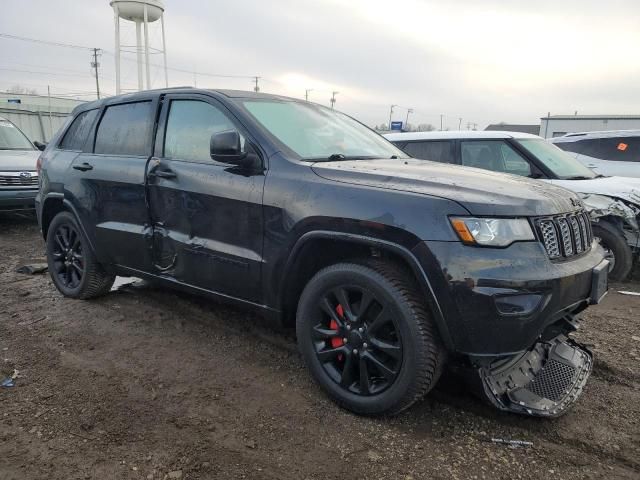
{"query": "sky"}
{"type": "Point", "coordinates": [474, 62]}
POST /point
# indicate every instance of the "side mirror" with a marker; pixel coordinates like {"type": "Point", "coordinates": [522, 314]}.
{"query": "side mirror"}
{"type": "Point", "coordinates": [39, 145]}
{"type": "Point", "coordinates": [225, 147]}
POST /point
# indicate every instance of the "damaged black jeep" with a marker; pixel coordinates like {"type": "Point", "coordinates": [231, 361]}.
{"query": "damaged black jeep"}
{"type": "Point", "coordinates": [389, 268]}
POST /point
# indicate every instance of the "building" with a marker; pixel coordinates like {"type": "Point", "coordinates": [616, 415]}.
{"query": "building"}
{"type": "Point", "coordinates": [513, 127]}
{"type": "Point", "coordinates": [39, 117]}
{"type": "Point", "coordinates": [558, 125]}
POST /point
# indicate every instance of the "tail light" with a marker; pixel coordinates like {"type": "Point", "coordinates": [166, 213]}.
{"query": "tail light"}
{"type": "Point", "coordinates": [39, 163]}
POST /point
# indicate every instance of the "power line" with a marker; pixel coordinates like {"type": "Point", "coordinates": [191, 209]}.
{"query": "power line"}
{"type": "Point", "coordinates": [45, 42]}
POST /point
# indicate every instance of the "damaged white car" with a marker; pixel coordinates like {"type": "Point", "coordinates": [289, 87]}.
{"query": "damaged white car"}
{"type": "Point", "coordinates": [613, 202]}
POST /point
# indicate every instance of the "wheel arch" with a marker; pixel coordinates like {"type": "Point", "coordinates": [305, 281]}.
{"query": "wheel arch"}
{"type": "Point", "coordinates": [55, 204]}
{"type": "Point", "coordinates": [305, 260]}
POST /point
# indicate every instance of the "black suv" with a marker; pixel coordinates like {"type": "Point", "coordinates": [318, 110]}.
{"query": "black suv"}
{"type": "Point", "coordinates": [388, 267]}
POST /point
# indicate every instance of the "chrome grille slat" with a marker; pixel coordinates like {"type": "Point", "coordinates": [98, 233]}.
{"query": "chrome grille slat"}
{"type": "Point", "coordinates": [565, 236]}
{"type": "Point", "coordinates": [18, 179]}
{"type": "Point", "coordinates": [565, 232]}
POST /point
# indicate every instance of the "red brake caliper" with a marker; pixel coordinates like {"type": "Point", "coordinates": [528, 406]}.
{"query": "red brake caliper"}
{"type": "Point", "coordinates": [333, 325]}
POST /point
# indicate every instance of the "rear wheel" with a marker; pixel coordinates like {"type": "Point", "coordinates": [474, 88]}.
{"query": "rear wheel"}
{"type": "Point", "coordinates": [367, 338]}
{"type": "Point", "coordinates": [73, 267]}
{"type": "Point", "coordinates": [616, 249]}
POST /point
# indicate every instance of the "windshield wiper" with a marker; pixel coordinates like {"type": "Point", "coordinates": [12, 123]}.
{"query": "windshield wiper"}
{"type": "Point", "coordinates": [338, 157]}
{"type": "Point", "coordinates": [578, 177]}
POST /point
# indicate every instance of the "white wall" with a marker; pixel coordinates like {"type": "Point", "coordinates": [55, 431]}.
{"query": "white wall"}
{"type": "Point", "coordinates": [559, 126]}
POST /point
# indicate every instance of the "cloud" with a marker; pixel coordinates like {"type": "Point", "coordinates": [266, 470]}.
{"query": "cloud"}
{"type": "Point", "coordinates": [482, 61]}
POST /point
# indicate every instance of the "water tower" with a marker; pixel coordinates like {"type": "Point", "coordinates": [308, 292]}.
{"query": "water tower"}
{"type": "Point", "coordinates": [141, 12]}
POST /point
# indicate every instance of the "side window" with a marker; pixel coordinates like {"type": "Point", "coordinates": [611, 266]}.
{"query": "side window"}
{"type": "Point", "coordinates": [494, 155]}
{"type": "Point", "coordinates": [125, 129]}
{"type": "Point", "coordinates": [190, 124]}
{"type": "Point", "coordinates": [438, 151]}
{"type": "Point", "coordinates": [78, 131]}
{"type": "Point", "coordinates": [620, 149]}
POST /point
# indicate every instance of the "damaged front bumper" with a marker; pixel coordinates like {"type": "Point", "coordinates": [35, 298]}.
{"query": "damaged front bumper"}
{"type": "Point", "coordinates": [545, 381]}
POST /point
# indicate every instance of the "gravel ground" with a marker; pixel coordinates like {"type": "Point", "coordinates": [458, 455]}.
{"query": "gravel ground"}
{"type": "Point", "coordinates": [152, 384]}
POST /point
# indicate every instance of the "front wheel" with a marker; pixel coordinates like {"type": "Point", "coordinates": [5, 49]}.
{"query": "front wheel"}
{"type": "Point", "coordinates": [73, 268]}
{"type": "Point", "coordinates": [367, 338]}
{"type": "Point", "coordinates": [616, 249]}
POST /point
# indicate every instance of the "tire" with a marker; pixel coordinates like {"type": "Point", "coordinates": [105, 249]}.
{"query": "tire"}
{"type": "Point", "coordinates": [395, 333]}
{"type": "Point", "coordinates": [72, 265]}
{"type": "Point", "coordinates": [615, 244]}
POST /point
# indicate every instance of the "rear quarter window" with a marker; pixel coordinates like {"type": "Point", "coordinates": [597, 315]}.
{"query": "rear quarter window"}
{"type": "Point", "coordinates": [77, 133]}
{"type": "Point", "coordinates": [620, 149]}
{"type": "Point", "coordinates": [125, 129]}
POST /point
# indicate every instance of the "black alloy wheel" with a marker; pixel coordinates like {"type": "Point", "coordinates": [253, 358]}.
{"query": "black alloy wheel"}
{"type": "Point", "coordinates": [357, 340]}
{"type": "Point", "coordinates": [68, 260]}
{"type": "Point", "coordinates": [73, 267]}
{"type": "Point", "coordinates": [367, 337]}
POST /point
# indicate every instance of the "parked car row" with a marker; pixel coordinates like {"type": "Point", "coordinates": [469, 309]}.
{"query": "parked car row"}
{"type": "Point", "coordinates": [390, 268]}
{"type": "Point", "coordinates": [613, 203]}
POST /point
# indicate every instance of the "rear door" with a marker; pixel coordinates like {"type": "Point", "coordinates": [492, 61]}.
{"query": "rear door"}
{"type": "Point", "coordinates": [107, 183]}
{"type": "Point", "coordinates": [207, 215]}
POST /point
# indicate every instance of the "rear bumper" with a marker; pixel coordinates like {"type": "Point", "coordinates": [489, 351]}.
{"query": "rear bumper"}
{"type": "Point", "coordinates": [16, 200]}
{"type": "Point", "coordinates": [498, 302]}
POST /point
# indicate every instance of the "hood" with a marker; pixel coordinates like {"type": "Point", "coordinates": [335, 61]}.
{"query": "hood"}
{"type": "Point", "coordinates": [624, 188]}
{"type": "Point", "coordinates": [18, 160]}
{"type": "Point", "coordinates": [481, 192]}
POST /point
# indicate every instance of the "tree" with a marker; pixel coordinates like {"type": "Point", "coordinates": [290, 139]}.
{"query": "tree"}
{"type": "Point", "coordinates": [19, 89]}
{"type": "Point", "coordinates": [425, 127]}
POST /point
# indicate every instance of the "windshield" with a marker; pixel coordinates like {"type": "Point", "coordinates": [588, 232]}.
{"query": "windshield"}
{"type": "Point", "coordinates": [11, 138]}
{"type": "Point", "coordinates": [563, 165]}
{"type": "Point", "coordinates": [317, 133]}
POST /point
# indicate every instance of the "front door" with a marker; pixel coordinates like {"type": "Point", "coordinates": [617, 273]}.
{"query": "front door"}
{"type": "Point", "coordinates": [206, 215]}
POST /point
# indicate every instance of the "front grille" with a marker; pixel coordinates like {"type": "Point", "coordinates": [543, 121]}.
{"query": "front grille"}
{"type": "Point", "coordinates": [554, 380]}
{"type": "Point", "coordinates": [19, 179]}
{"type": "Point", "coordinates": [565, 235]}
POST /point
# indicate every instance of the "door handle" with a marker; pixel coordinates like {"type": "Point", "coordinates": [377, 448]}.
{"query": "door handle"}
{"type": "Point", "coordinates": [83, 167]}
{"type": "Point", "coordinates": [164, 173]}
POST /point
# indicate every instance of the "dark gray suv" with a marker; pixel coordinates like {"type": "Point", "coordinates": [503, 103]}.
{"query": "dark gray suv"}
{"type": "Point", "coordinates": [388, 267]}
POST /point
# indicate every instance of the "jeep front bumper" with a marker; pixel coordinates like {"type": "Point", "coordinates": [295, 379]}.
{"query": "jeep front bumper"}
{"type": "Point", "coordinates": [544, 382]}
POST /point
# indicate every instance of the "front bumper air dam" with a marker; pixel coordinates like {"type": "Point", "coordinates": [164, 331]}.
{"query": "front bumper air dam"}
{"type": "Point", "coordinates": [543, 382]}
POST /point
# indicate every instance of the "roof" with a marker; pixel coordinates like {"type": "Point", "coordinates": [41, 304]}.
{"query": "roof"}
{"type": "Point", "coordinates": [592, 117]}
{"type": "Point", "coordinates": [514, 127]}
{"type": "Point", "coordinates": [576, 136]}
{"type": "Point", "coordinates": [132, 96]}
{"type": "Point", "coordinates": [455, 134]}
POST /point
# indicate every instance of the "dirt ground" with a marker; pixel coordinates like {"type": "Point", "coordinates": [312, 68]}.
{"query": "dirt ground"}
{"type": "Point", "coordinates": [152, 384]}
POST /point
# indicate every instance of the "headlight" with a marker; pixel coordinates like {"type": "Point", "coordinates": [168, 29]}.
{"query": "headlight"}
{"type": "Point", "coordinates": [493, 232]}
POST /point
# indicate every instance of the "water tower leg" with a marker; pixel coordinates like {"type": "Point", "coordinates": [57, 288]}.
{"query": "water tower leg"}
{"type": "Point", "coordinates": [146, 46]}
{"type": "Point", "coordinates": [139, 54]}
{"type": "Point", "coordinates": [117, 24]}
{"type": "Point", "coordinates": [164, 52]}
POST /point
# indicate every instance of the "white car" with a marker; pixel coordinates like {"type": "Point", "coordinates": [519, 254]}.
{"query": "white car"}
{"type": "Point", "coordinates": [613, 202]}
{"type": "Point", "coordinates": [615, 152]}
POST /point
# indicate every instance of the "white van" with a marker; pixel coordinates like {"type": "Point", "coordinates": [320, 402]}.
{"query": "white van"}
{"type": "Point", "coordinates": [613, 202]}
{"type": "Point", "coordinates": [615, 152]}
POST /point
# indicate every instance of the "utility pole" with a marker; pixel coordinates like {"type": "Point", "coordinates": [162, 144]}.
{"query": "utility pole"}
{"type": "Point", "coordinates": [256, 88]}
{"type": "Point", "coordinates": [333, 99]}
{"type": "Point", "coordinates": [95, 66]}
{"type": "Point", "coordinates": [441, 115]}
{"type": "Point", "coordinates": [306, 94]}
{"type": "Point", "coordinates": [390, 114]}
{"type": "Point", "coordinates": [406, 120]}
{"type": "Point", "coordinates": [460, 123]}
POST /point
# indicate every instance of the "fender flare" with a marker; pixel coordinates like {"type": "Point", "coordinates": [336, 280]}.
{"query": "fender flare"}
{"type": "Point", "coordinates": [423, 279]}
